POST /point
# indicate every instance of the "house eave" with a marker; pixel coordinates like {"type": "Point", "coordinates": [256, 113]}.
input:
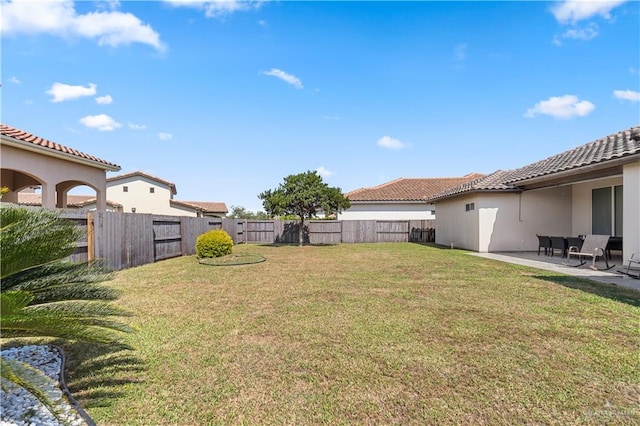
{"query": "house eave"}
{"type": "Point", "coordinates": [474, 192]}
{"type": "Point", "coordinates": [604, 169]}
{"type": "Point", "coordinates": [387, 201]}
{"type": "Point", "coordinates": [16, 143]}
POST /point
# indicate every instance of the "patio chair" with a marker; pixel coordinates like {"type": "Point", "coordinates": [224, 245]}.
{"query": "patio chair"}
{"type": "Point", "coordinates": [633, 264]}
{"type": "Point", "coordinates": [558, 243]}
{"type": "Point", "coordinates": [593, 246]}
{"type": "Point", "coordinates": [574, 242]}
{"type": "Point", "coordinates": [543, 242]}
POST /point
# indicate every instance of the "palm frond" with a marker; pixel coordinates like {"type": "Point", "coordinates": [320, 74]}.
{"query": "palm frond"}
{"type": "Point", "coordinates": [41, 278]}
{"type": "Point", "coordinates": [30, 238]}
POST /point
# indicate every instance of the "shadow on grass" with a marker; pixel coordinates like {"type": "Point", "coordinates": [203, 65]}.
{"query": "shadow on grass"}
{"type": "Point", "coordinates": [96, 374]}
{"type": "Point", "coordinates": [610, 291]}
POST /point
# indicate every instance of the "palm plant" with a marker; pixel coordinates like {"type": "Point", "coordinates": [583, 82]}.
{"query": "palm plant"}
{"type": "Point", "coordinates": [43, 295]}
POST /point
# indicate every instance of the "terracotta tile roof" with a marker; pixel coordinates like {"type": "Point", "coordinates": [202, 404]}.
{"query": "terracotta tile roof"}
{"type": "Point", "coordinates": [619, 145]}
{"type": "Point", "coordinates": [213, 207]}
{"type": "Point", "coordinates": [24, 136]}
{"type": "Point", "coordinates": [171, 185]}
{"type": "Point", "coordinates": [408, 189]}
{"type": "Point", "coordinates": [31, 199]}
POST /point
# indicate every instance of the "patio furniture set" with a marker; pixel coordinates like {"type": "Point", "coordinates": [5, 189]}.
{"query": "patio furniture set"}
{"type": "Point", "coordinates": [581, 247]}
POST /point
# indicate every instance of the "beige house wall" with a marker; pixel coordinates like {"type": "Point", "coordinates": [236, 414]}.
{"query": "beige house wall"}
{"type": "Point", "coordinates": [631, 212]}
{"type": "Point", "coordinates": [459, 228]}
{"type": "Point", "coordinates": [52, 173]}
{"type": "Point", "coordinates": [389, 211]}
{"type": "Point", "coordinates": [581, 212]}
{"type": "Point", "coordinates": [504, 222]}
{"type": "Point", "coordinates": [139, 196]}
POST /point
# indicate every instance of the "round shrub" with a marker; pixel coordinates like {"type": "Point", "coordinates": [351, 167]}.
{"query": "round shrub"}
{"type": "Point", "coordinates": [214, 243]}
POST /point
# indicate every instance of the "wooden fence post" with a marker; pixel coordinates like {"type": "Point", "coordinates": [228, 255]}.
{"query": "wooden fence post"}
{"type": "Point", "coordinates": [91, 250]}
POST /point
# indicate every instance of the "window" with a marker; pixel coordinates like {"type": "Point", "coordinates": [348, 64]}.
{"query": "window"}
{"type": "Point", "coordinates": [125, 189]}
{"type": "Point", "coordinates": [469, 207]}
{"type": "Point", "coordinates": [606, 211]}
{"type": "Point", "coordinates": [152, 190]}
{"type": "Point", "coordinates": [617, 208]}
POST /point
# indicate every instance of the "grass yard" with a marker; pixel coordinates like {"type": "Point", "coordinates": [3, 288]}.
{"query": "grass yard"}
{"type": "Point", "coordinates": [364, 334]}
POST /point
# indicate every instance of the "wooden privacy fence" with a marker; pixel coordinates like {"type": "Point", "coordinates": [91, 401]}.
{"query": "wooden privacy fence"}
{"type": "Point", "coordinates": [125, 240]}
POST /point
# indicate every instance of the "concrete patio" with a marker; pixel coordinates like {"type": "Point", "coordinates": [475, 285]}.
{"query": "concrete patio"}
{"type": "Point", "coordinates": [558, 264]}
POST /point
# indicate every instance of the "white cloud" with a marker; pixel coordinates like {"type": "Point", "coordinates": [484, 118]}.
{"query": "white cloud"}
{"type": "Point", "coordinates": [633, 70]}
{"type": "Point", "coordinates": [573, 11]}
{"type": "Point", "coordinates": [627, 95]}
{"type": "Point", "coordinates": [218, 9]}
{"type": "Point", "coordinates": [587, 33]}
{"type": "Point", "coordinates": [164, 136]}
{"type": "Point", "coordinates": [64, 92]}
{"type": "Point", "coordinates": [14, 80]}
{"type": "Point", "coordinates": [108, 4]}
{"type": "Point", "coordinates": [564, 107]}
{"type": "Point", "coordinates": [102, 122]}
{"type": "Point", "coordinates": [324, 172]}
{"type": "Point", "coordinates": [286, 77]}
{"type": "Point", "coordinates": [59, 18]}
{"type": "Point", "coordinates": [331, 117]}
{"type": "Point", "coordinates": [104, 100]}
{"type": "Point", "coordinates": [460, 51]}
{"type": "Point", "coordinates": [134, 126]}
{"type": "Point", "coordinates": [391, 143]}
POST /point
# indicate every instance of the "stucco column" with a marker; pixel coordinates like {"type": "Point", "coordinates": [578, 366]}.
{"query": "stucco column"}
{"type": "Point", "coordinates": [61, 199]}
{"type": "Point", "coordinates": [631, 209]}
{"type": "Point", "coordinates": [48, 195]}
{"type": "Point", "coordinates": [101, 200]}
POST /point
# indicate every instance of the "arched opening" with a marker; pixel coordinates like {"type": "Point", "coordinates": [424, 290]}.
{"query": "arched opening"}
{"type": "Point", "coordinates": [17, 182]}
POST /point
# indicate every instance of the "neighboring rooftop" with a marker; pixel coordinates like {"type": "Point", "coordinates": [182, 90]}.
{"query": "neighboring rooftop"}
{"type": "Point", "coordinates": [408, 189]}
{"type": "Point", "coordinates": [206, 207]}
{"type": "Point", "coordinates": [171, 185]}
{"type": "Point", "coordinates": [78, 201]}
{"type": "Point", "coordinates": [42, 143]}
{"type": "Point", "coordinates": [606, 151]}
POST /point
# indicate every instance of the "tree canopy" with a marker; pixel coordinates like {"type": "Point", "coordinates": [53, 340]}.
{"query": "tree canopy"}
{"type": "Point", "coordinates": [303, 195]}
{"type": "Point", "coordinates": [240, 212]}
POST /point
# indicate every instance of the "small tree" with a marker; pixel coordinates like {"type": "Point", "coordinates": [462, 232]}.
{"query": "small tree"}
{"type": "Point", "coordinates": [303, 195]}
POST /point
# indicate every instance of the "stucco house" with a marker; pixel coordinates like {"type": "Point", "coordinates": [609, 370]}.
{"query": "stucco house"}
{"type": "Point", "coordinates": [33, 161]}
{"type": "Point", "coordinates": [140, 192]}
{"type": "Point", "coordinates": [400, 199]}
{"type": "Point", "coordinates": [591, 189]}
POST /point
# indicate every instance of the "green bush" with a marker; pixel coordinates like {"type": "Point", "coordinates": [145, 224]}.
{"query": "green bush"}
{"type": "Point", "coordinates": [214, 243]}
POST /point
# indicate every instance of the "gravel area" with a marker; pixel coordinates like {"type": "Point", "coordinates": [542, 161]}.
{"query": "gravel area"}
{"type": "Point", "coordinates": [20, 408]}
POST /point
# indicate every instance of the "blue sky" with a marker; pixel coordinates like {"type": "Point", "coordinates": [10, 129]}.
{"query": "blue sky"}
{"type": "Point", "coordinates": [226, 98]}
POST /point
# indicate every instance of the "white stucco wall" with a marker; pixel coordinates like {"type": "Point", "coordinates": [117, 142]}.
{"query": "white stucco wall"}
{"type": "Point", "coordinates": [140, 197]}
{"type": "Point", "coordinates": [631, 213]}
{"type": "Point", "coordinates": [388, 211]}
{"type": "Point", "coordinates": [504, 222]}
{"type": "Point", "coordinates": [457, 226]}
{"type": "Point", "coordinates": [581, 210]}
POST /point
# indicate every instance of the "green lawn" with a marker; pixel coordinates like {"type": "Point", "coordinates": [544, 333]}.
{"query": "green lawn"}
{"type": "Point", "coordinates": [364, 334]}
